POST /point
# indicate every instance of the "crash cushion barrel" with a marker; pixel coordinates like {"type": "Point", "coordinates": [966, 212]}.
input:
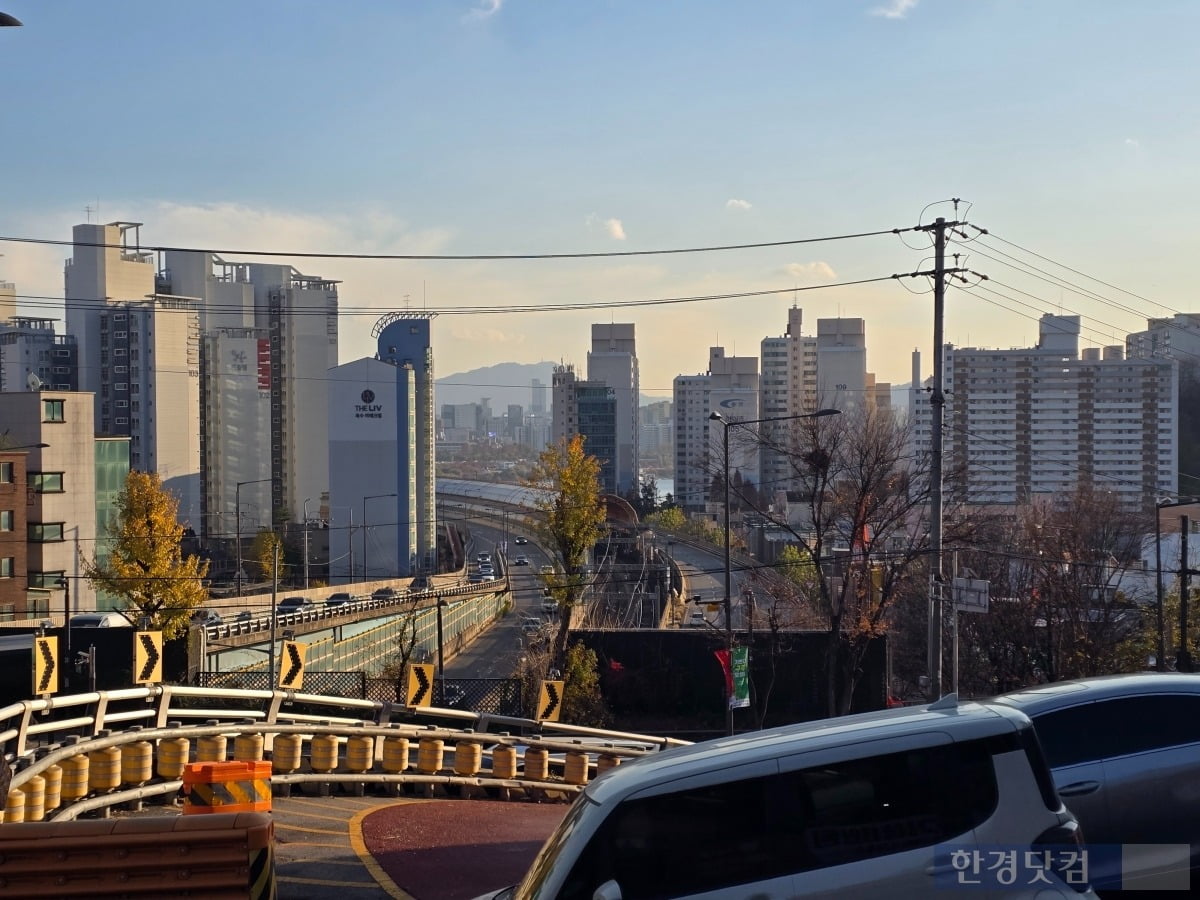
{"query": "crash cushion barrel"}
{"type": "Point", "coordinates": [224, 787]}
{"type": "Point", "coordinates": [223, 855]}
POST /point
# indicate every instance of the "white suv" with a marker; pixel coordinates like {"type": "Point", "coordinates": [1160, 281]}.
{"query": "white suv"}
{"type": "Point", "coordinates": [893, 804]}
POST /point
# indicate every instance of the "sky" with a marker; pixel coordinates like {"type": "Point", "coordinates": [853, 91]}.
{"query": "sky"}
{"type": "Point", "coordinates": [518, 127]}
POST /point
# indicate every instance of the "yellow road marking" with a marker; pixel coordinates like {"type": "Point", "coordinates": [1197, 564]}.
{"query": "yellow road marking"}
{"type": "Point", "coordinates": [360, 847]}
{"type": "Point", "coordinates": [324, 860]}
{"type": "Point", "coordinates": [279, 825]}
{"type": "Point", "coordinates": [307, 815]}
{"type": "Point", "coordinates": [286, 843]}
{"type": "Point", "coordinates": [326, 802]}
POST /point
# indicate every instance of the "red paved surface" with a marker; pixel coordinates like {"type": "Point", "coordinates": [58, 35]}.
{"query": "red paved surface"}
{"type": "Point", "coordinates": [458, 849]}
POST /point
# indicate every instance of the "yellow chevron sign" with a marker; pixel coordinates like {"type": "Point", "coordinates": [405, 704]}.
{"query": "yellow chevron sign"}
{"type": "Point", "coordinates": [147, 657]}
{"type": "Point", "coordinates": [291, 665]}
{"type": "Point", "coordinates": [418, 684]}
{"type": "Point", "coordinates": [550, 701]}
{"type": "Point", "coordinates": [45, 665]}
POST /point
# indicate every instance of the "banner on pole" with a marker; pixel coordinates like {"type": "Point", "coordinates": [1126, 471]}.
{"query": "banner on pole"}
{"type": "Point", "coordinates": [740, 695]}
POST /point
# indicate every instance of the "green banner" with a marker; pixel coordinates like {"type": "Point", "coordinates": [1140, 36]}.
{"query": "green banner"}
{"type": "Point", "coordinates": [741, 678]}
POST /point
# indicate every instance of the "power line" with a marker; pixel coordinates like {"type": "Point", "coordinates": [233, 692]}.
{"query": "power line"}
{"type": "Point", "coordinates": [162, 248]}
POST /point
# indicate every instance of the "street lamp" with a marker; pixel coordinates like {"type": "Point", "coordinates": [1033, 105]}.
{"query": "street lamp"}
{"type": "Point", "coordinates": [364, 526]}
{"type": "Point", "coordinates": [717, 417]}
{"type": "Point", "coordinates": [64, 582]}
{"type": "Point", "coordinates": [237, 511]}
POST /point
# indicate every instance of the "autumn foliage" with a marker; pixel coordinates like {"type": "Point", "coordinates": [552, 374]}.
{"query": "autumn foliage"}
{"type": "Point", "coordinates": [146, 566]}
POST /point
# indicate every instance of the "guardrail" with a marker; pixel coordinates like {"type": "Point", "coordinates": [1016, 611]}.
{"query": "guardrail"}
{"type": "Point", "coordinates": [70, 760]}
{"type": "Point", "coordinates": [319, 613]}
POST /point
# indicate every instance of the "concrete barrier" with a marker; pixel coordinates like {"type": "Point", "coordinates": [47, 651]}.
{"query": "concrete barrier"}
{"type": "Point", "coordinates": [216, 856]}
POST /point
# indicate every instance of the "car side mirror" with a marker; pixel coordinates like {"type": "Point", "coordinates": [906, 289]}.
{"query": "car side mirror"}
{"type": "Point", "coordinates": [610, 890]}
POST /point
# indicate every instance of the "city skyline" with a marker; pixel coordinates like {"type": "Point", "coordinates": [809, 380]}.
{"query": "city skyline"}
{"type": "Point", "coordinates": [508, 128]}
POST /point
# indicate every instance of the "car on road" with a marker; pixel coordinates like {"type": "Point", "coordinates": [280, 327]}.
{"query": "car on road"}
{"type": "Point", "coordinates": [1124, 751]}
{"type": "Point", "coordinates": [549, 606]}
{"type": "Point", "coordinates": [520, 541]}
{"type": "Point", "coordinates": [294, 605]}
{"type": "Point", "coordinates": [206, 617]}
{"type": "Point", "coordinates": [521, 561]}
{"type": "Point", "coordinates": [341, 598]}
{"type": "Point", "coordinates": [100, 620]}
{"type": "Point", "coordinates": [244, 616]}
{"type": "Point", "coordinates": [546, 570]}
{"type": "Point", "coordinates": [894, 803]}
{"type": "Point", "coordinates": [483, 557]}
{"type": "Point", "coordinates": [532, 625]}
{"type": "Point", "coordinates": [385, 593]}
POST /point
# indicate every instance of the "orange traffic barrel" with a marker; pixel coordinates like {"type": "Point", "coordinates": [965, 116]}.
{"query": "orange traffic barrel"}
{"type": "Point", "coordinates": [227, 787]}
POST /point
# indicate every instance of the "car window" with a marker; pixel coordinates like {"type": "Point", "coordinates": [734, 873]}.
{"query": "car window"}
{"type": "Point", "coordinates": [861, 808]}
{"type": "Point", "coordinates": [679, 844]}
{"type": "Point", "coordinates": [1118, 727]}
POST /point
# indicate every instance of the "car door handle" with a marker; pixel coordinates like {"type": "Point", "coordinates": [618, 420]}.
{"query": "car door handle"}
{"type": "Point", "coordinates": [1078, 788]}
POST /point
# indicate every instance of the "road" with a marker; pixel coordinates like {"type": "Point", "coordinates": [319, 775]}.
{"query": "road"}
{"type": "Point", "coordinates": [495, 653]}
{"type": "Point", "coordinates": [704, 574]}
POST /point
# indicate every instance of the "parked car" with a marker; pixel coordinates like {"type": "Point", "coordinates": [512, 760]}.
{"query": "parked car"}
{"type": "Point", "coordinates": [294, 605]}
{"type": "Point", "coordinates": [100, 620]}
{"type": "Point", "coordinates": [341, 598]}
{"type": "Point", "coordinates": [869, 805]}
{"type": "Point", "coordinates": [1124, 751]}
{"type": "Point", "coordinates": [385, 593]}
{"type": "Point", "coordinates": [532, 625]}
{"type": "Point", "coordinates": [549, 607]}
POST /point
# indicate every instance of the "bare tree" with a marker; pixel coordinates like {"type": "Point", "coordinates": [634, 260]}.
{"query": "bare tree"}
{"type": "Point", "coordinates": [862, 529]}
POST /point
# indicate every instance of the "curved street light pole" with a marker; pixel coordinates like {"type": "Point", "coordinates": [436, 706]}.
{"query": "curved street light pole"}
{"type": "Point", "coordinates": [727, 424]}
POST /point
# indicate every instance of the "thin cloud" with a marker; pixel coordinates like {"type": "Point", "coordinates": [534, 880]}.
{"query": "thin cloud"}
{"type": "Point", "coordinates": [734, 203]}
{"type": "Point", "coordinates": [485, 10]}
{"type": "Point", "coordinates": [895, 9]}
{"type": "Point", "coordinates": [615, 229]}
{"type": "Point", "coordinates": [811, 271]}
{"type": "Point", "coordinates": [1134, 143]}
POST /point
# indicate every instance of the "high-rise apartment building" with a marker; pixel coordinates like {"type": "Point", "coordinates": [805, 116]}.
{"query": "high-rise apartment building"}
{"type": "Point", "coordinates": [138, 356]}
{"type": "Point", "coordinates": [1039, 421]}
{"type": "Point", "coordinates": [803, 373]}
{"type": "Point", "coordinates": [32, 356]}
{"type": "Point", "coordinates": [588, 408]}
{"type": "Point", "coordinates": [613, 361]}
{"type": "Point", "coordinates": [270, 337]}
{"type": "Point", "coordinates": [537, 391]}
{"type": "Point", "coordinates": [730, 387]}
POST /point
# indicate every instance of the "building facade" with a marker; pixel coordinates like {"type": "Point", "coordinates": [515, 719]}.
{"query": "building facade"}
{"type": "Point", "coordinates": [33, 356]}
{"type": "Point", "coordinates": [382, 455]}
{"type": "Point", "coordinates": [613, 361]}
{"type": "Point", "coordinates": [1030, 422]}
{"type": "Point", "coordinates": [731, 387]}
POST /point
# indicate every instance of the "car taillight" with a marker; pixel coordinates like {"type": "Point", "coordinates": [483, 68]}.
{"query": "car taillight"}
{"type": "Point", "coordinates": [1063, 838]}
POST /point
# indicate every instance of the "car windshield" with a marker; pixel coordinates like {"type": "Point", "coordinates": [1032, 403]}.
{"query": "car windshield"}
{"type": "Point", "coordinates": [531, 885]}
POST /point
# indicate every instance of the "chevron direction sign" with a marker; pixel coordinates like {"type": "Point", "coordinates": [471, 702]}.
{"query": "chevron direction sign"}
{"type": "Point", "coordinates": [291, 667]}
{"type": "Point", "coordinates": [550, 701]}
{"type": "Point", "coordinates": [418, 684]}
{"type": "Point", "coordinates": [45, 665]}
{"type": "Point", "coordinates": [147, 657]}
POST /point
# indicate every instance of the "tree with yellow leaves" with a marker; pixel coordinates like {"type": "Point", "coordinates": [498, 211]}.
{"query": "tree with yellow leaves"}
{"type": "Point", "coordinates": [145, 564]}
{"type": "Point", "coordinates": [267, 552]}
{"type": "Point", "coordinates": [572, 516]}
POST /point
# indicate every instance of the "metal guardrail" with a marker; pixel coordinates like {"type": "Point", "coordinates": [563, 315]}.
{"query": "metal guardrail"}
{"type": "Point", "coordinates": [36, 735]}
{"type": "Point", "coordinates": [262, 624]}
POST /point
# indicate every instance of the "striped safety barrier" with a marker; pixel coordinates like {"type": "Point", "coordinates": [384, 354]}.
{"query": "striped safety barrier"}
{"type": "Point", "coordinates": [226, 787]}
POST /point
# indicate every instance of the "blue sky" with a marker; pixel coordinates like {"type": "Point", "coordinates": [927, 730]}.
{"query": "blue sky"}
{"type": "Point", "coordinates": [525, 126]}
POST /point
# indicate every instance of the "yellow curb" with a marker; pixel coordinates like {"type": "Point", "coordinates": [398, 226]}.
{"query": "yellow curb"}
{"type": "Point", "coordinates": [360, 847]}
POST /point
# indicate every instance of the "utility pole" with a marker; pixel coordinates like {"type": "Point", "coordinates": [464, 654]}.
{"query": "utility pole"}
{"type": "Point", "coordinates": [1183, 662]}
{"type": "Point", "coordinates": [937, 403]}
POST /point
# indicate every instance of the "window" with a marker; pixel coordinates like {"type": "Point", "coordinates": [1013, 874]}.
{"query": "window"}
{"type": "Point", "coordinates": [45, 532]}
{"type": "Point", "coordinates": [45, 579]}
{"type": "Point", "coordinates": [6, 567]}
{"type": "Point", "coordinates": [6, 473]}
{"type": "Point", "coordinates": [1146, 723]}
{"type": "Point", "coordinates": [52, 411]}
{"type": "Point", "coordinates": [46, 482]}
{"type": "Point", "coordinates": [6, 520]}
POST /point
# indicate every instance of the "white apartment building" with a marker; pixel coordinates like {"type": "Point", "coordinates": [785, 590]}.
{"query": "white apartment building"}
{"type": "Point", "coordinates": [1038, 421]}
{"type": "Point", "coordinates": [61, 509]}
{"type": "Point", "coordinates": [270, 334]}
{"type": "Point", "coordinates": [730, 387]}
{"type": "Point", "coordinates": [613, 361]}
{"type": "Point", "coordinates": [138, 355]}
{"type": "Point", "coordinates": [29, 347]}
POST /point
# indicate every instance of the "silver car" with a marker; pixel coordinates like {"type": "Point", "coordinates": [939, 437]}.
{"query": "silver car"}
{"type": "Point", "coordinates": [1125, 754]}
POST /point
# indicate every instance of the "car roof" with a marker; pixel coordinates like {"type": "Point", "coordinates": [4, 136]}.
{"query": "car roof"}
{"type": "Point", "coordinates": [1104, 687]}
{"type": "Point", "coordinates": [960, 721]}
